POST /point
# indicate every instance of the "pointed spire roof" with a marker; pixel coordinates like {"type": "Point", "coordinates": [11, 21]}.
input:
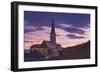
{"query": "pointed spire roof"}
{"type": "Point", "coordinates": [53, 26]}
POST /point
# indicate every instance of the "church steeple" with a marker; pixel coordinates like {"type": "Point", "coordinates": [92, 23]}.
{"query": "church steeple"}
{"type": "Point", "coordinates": [53, 34]}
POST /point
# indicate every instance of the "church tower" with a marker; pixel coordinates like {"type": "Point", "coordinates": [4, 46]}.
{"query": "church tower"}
{"type": "Point", "coordinates": [53, 34]}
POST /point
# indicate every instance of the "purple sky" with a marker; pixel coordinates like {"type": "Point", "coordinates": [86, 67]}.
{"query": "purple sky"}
{"type": "Point", "coordinates": [69, 26]}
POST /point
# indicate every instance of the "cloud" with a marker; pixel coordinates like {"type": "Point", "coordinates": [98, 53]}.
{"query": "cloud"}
{"type": "Point", "coordinates": [73, 29]}
{"type": "Point", "coordinates": [65, 25]}
{"type": "Point", "coordinates": [29, 27]}
{"type": "Point", "coordinates": [73, 36]}
{"type": "Point", "coordinates": [36, 37]}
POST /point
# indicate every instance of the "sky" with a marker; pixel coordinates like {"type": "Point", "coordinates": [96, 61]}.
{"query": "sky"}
{"type": "Point", "coordinates": [71, 28]}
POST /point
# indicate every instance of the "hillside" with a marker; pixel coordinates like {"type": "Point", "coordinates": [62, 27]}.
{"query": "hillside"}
{"type": "Point", "coordinates": [81, 51]}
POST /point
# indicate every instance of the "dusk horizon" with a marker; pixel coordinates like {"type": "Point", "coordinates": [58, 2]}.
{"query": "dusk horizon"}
{"type": "Point", "coordinates": [71, 28]}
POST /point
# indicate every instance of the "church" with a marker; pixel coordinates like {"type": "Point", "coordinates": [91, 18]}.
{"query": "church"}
{"type": "Point", "coordinates": [48, 48]}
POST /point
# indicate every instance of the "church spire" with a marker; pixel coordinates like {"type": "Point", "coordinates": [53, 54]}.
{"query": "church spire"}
{"type": "Point", "coordinates": [53, 26]}
{"type": "Point", "coordinates": [53, 34]}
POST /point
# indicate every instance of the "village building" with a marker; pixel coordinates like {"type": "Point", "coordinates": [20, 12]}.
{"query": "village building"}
{"type": "Point", "coordinates": [48, 48]}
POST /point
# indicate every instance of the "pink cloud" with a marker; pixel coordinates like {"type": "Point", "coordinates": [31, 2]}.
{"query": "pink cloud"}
{"type": "Point", "coordinates": [36, 37]}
